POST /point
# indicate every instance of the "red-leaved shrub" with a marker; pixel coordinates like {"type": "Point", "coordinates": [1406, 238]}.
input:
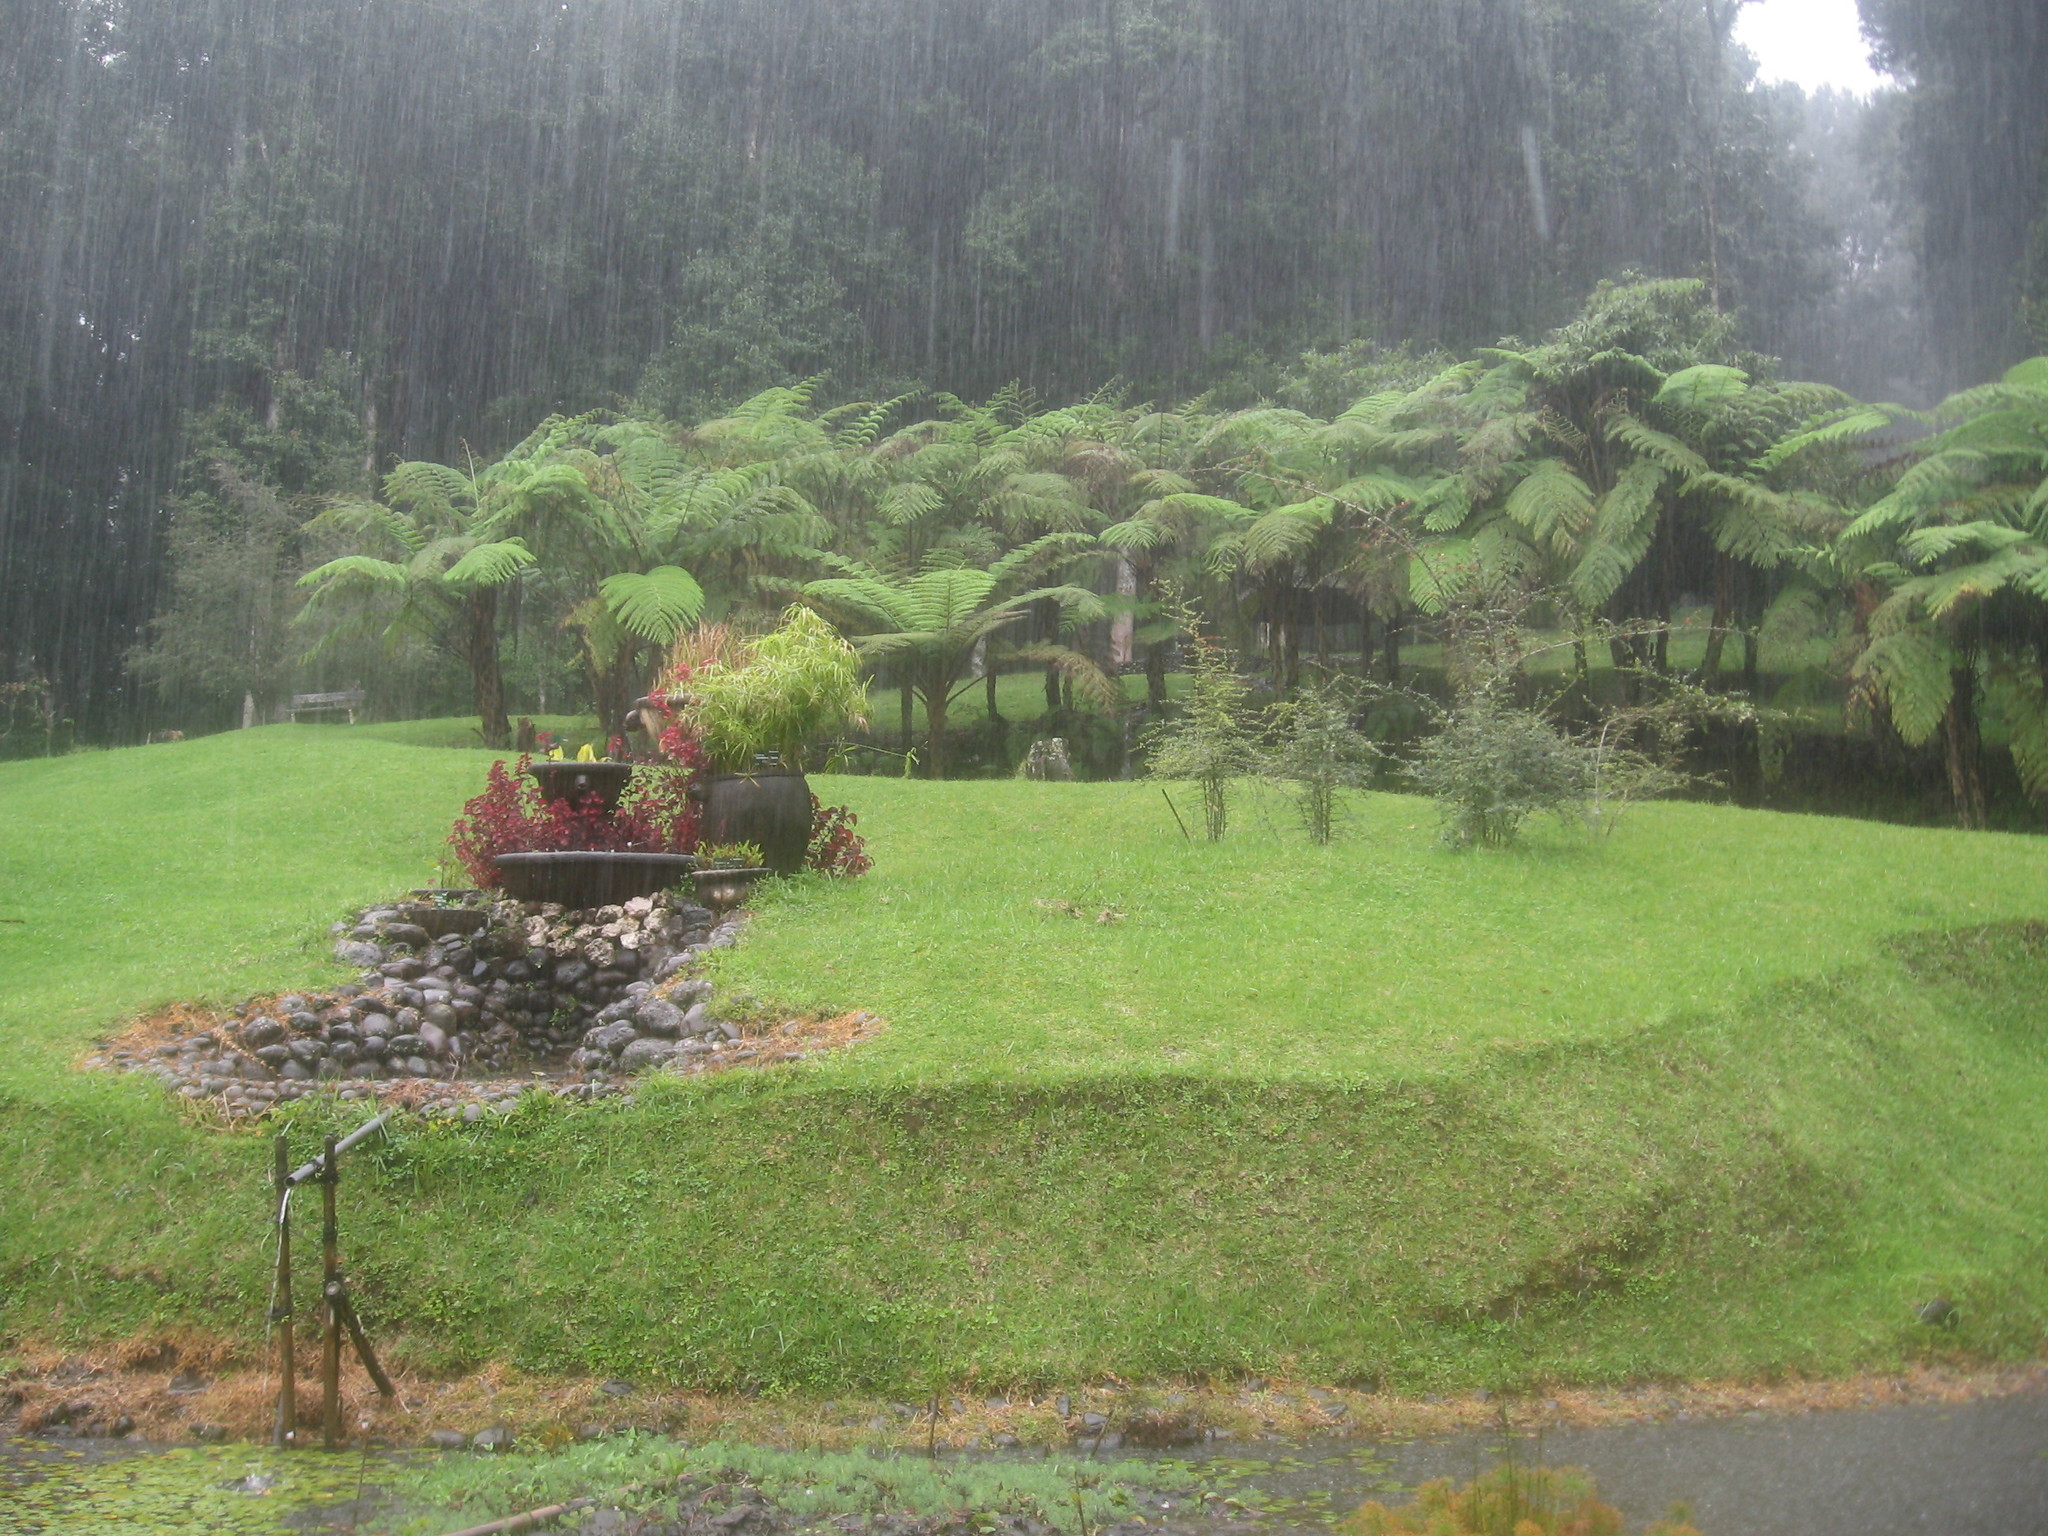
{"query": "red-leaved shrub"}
{"type": "Point", "coordinates": [836, 849]}
{"type": "Point", "coordinates": [656, 815]}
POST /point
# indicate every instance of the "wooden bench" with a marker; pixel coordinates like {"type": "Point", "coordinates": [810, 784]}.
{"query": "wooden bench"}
{"type": "Point", "coordinates": [349, 700]}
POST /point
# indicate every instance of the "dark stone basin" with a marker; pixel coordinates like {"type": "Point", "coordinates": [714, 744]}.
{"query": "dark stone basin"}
{"type": "Point", "coordinates": [573, 782]}
{"type": "Point", "coordinates": [595, 878]}
{"type": "Point", "coordinates": [441, 921]}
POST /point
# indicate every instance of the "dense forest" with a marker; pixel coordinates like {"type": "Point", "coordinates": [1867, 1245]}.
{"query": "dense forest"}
{"type": "Point", "coordinates": [254, 254]}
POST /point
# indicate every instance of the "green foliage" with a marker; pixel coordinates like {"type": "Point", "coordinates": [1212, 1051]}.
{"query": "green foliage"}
{"type": "Point", "coordinates": [1711, 1130]}
{"type": "Point", "coordinates": [1209, 742]}
{"type": "Point", "coordinates": [1510, 1500]}
{"type": "Point", "coordinates": [181, 1491]}
{"type": "Point", "coordinates": [1314, 746]}
{"type": "Point", "coordinates": [656, 1477]}
{"type": "Point", "coordinates": [785, 692]}
{"type": "Point", "coordinates": [1491, 767]}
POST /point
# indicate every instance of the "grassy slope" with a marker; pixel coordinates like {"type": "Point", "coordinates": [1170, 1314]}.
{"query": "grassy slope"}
{"type": "Point", "coordinates": [1667, 1104]}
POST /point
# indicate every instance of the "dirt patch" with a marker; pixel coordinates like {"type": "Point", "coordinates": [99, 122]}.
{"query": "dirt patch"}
{"type": "Point", "coordinates": [175, 1386]}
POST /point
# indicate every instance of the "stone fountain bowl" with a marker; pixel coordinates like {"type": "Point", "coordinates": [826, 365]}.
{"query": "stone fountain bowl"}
{"type": "Point", "coordinates": [591, 878]}
{"type": "Point", "coordinates": [574, 781]}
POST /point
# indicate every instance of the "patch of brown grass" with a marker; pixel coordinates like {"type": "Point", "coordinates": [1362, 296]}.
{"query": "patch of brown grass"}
{"type": "Point", "coordinates": [133, 1377]}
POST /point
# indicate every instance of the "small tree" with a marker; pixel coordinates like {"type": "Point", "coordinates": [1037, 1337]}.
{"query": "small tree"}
{"type": "Point", "coordinates": [1207, 742]}
{"type": "Point", "coordinates": [1493, 766]}
{"type": "Point", "coordinates": [1317, 749]}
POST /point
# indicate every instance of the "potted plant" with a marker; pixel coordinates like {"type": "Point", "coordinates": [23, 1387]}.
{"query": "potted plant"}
{"type": "Point", "coordinates": [756, 710]}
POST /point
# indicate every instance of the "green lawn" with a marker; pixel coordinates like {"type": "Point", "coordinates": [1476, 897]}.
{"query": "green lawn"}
{"type": "Point", "coordinates": [1724, 1093]}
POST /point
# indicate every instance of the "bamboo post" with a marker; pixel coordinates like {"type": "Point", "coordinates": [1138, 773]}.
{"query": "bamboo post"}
{"type": "Point", "coordinates": [281, 1314]}
{"type": "Point", "coordinates": [364, 1353]}
{"type": "Point", "coordinates": [330, 1344]}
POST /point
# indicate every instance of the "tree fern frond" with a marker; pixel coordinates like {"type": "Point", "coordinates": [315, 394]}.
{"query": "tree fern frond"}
{"type": "Point", "coordinates": [358, 572]}
{"type": "Point", "coordinates": [1923, 546]}
{"type": "Point", "coordinates": [1553, 503]}
{"type": "Point", "coordinates": [1914, 672]}
{"type": "Point", "coordinates": [655, 605]}
{"type": "Point", "coordinates": [1837, 427]}
{"type": "Point", "coordinates": [1941, 593]}
{"type": "Point", "coordinates": [1445, 505]}
{"type": "Point", "coordinates": [1091, 683]}
{"type": "Point", "coordinates": [1661, 447]}
{"type": "Point", "coordinates": [2021, 700]}
{"type": "Point", "coordinates": [489, 565]}
{"type": "Point", "coordinates": [1701, 386]}
{"type": "Point", "coordinates": [1623, 528]}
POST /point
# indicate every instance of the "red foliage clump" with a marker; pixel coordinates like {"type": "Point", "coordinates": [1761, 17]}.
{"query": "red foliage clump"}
{"type": "Point", "coordinates": [836, 849]}
{"type": "Point", "coordinates": [656, 815]}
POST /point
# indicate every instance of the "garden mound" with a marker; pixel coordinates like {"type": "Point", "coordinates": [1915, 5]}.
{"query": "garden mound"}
{"type": "Point", "coordinates": [463, 1006]}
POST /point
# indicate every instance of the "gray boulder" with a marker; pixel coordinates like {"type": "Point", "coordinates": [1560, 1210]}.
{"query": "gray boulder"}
{"type": "Point", "coordinates": [358, 952]}
{"type": "Point", "coordinates": [642, 1054]}
{"type": "Point", "coordinates": [658, 1016]}
{"type": "Point", "coordinates": [611, 1038]}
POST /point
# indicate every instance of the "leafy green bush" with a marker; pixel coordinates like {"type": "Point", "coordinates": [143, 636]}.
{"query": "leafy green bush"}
{"type": "Point", "coordinates": [1207, 742]}
{"type": "Point", "coordinates": [1316, 748]}
{"type": "Point", "coordinates": [1492, 767]}
{"type": "Point", "coordinates": [781, 692]}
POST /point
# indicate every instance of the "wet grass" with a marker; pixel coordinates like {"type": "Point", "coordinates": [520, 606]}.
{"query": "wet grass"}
{"type": "Point", "coordinates": [1690, 1101]}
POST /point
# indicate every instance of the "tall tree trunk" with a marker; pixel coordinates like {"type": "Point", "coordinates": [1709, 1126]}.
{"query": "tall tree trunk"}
{"type": "Point", "coordinates": [1717, 627]}
{"type": "Point", "coordinates": [481, 651]}
{"type": "Point", "coordinates": [1963, 750]}
{"type": "Point", "coordinates": [1124, 625]}
{"type": "Point", "coordinates": [1155, 674]}
{"type": "Point", "coordinates": [615, 688]}
{"type": "Point", "coordinates": [906, 712]}
{"type": "Point", "coordinates": [1390, 652]}
{"type": "Point", "coordinates": [1052, 689]}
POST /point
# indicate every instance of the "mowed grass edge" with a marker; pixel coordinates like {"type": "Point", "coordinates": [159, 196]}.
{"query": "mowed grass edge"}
{"type": "Point", "coordinates": [1685, 1166]}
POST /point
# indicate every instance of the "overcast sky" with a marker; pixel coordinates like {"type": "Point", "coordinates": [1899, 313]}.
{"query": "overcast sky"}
{"type": "Point", "coordinates": [1811, 42]}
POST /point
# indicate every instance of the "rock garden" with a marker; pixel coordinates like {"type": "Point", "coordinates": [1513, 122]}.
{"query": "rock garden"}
{"type": "Point", "coordinates": [574, 965]}
{"type": "Point", "coordinates": [509, 996]}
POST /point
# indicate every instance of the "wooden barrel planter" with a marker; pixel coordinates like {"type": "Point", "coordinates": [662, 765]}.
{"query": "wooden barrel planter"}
{"type": "Point", "coordinates": [770, 808]}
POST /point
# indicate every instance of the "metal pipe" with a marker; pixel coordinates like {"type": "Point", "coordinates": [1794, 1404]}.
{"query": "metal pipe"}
{"type": "Point", "coordinates": [287, 1374]}
{"type": "Point", "coordinates": [330, 1344]}
{"type": "Point", "coordinates": [354, 1138]}
{"type": "Point", "coordinates": [525, 1522]}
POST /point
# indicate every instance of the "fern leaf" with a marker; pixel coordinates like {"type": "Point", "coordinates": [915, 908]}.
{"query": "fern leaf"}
{"type": "Point", "coordinates": [2021, 700]}
{"type": "Point", "coordinates": [1660, 447]}
{"type": "Point", "coordinates": [1623, 529]}
{"type": "Point", "coordinates": [1445, 506]}
{"type": "Point", "coordinates": [1924, 546]}
{"type": "Point", "coordinates": [361, 572]}
{"type": "Point", "coordinates": [1553, 503]}
{"type": "Point", "coordinates": [1914, 672]}
{"type": "Point", "coordinates": [489, 565]}
{"type": "Point", "coordinates": [1838, 427]}
{"type": "Point", "coordinates": [1091, 683]}
{"type": "Point", "coordinates": [1974, 583]}
{"type": "Point", "coordinates": [1703, 385]}
{"type": "Point", "coordinates": [656, 605]}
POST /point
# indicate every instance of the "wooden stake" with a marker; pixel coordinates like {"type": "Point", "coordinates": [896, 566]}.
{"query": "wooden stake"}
{"type": "Point", "coordinates": [330, 1344]}
{"type": "Point", "coordinates": [287, 1374]}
